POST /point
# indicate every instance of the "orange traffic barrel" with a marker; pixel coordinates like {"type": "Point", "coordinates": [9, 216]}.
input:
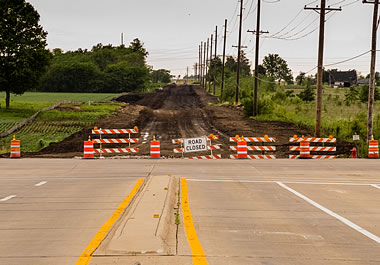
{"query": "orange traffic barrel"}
{"type": "Point", "coordinates": [155, 149]}
{"type": "Point", "coordinates": [88, 151]}
{"type": "Point", "coordinates": [305, 149]}
{"type": "Point", "coordinates": [373, 150]}
{"type": "Point", "coordinates": [15, 148]}
{"type": "Point", "coordinates": [242, 149]}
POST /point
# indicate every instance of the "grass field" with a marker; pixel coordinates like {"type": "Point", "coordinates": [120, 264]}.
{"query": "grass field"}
{"type": "Point", "coordinates": [54, 125]}
{"type": "Point", "coordinates": [340, 118]}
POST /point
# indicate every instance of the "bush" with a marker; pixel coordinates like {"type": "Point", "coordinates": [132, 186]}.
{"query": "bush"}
{"type": "Point", "coordinates": [307, 94]}
{"type": "Point", "coordinates": [364, 91]}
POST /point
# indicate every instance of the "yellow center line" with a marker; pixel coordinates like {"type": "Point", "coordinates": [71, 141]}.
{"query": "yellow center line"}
{"type": "Point", "coordinates": [97, 240]}
{"type": "Point", "coordinates": [199, 256]}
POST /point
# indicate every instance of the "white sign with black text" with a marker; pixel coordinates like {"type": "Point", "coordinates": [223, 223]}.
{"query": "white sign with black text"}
{"type": "Point", "coordinates": [195, 144]}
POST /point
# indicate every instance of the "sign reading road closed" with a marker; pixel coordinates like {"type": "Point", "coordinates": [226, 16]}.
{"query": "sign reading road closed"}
{"type": "Point", "coordinates": [195, 144]}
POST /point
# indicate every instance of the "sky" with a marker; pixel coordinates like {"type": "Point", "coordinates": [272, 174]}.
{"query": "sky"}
{"type": "Point", "coordinates": [172, 30]}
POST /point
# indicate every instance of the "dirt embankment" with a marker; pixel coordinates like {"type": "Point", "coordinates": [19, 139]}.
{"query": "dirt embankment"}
{"type": "Point", "coordinates": [181, 112]}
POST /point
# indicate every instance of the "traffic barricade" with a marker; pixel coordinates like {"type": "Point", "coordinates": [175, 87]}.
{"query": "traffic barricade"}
{"type": "Point", "coordinates": [129, 140]}
{"type": "Point", "coordinates": [88, 150]}
{"type": "Point", "coordinates": [155, 149]}
{"type": "Point", "coordinates": [242, 147]}
{"type": "Point", "coordinates": [373, 148]}
{"type": "Point", "coordinates": [15, 148]}
{"type": "Point", "coordinates": [210, 147]}
{"type": "Point", "coordinates": [311, 148]}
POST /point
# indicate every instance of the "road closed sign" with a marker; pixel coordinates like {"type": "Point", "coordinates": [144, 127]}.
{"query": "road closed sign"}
{"type": "Point", "coordinates": [195, 144]}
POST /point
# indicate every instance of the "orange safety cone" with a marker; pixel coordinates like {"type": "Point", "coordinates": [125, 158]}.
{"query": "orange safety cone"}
{"type": "Point", "coordinates": [15, 148]}
{"type": "Point", "coordinates": [88, 152]}
{"type": "Point", "coordinates": [242, 149]}
{"type": "Point", "coordinates": [373, 149]}
{"type": "Point", "coordinates": [155, 149]}
{"type": "Point", "coordinates": [304, 149]}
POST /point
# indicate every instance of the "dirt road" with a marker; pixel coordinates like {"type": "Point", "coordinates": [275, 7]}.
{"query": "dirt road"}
{"type": "Point", "coordinates": [182, 112]}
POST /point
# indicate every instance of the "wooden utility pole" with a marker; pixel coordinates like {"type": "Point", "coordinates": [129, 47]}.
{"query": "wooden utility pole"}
{"type": "Point", "coordinates": [122, 39]}
{"type": "Point", "coordinates": [256, 74]}
{"type": "Point", "coordinates": [201, 65]}
{"type": "Point", "coordinates": [216, 55]}
{"type": "Point", "coordinates": [204, 64]}
{"type": "Point", "coordinates": [239, 55]}
{"type": "Point", "coordinates": [372, 81]}
{"type": "Point", "coordinates": [224, 57]}
{"type": "Point", "coordinates": [322, 11]}
{"type": "Point", "coordinates": [196, 70]}
{"type": "Point", "coordinates": [206, 60]}
{"type": "Point", "coordinates": [210, 72]}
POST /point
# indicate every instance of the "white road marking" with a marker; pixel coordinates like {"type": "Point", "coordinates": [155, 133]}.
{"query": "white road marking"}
{"type": "Point", "coordinates": [331, 213]}
{"type": "Point", "coordinates": [40, 184]}
{"type": "Point", "coordinates": [7, 198]}
{"type": "Point", "coordinates": [376, 186]}
{"type": "Point", "coordinates": [276, 181]}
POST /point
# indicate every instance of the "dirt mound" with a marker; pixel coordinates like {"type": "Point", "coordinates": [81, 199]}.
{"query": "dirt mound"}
{"type": "Point", "coordinates": [181, 112]}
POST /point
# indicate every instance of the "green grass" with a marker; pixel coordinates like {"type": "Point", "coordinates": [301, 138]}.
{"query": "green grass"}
{"type": "Point", "coordinates": [52, 98]}
{"type": "Point", "coordinates": [56, 125]}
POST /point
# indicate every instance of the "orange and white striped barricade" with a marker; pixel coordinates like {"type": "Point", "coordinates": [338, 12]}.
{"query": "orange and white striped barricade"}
{"type": "Point", "coordinates": [155, 149]}
{"type": "Point", "coordinates": [373, 149]}
{"type": "Point", "coordinates": [130, 140]}
{"type": "Point", "coordinates": [15, 148]}
{"type": "Point", "coordinates": [242, 150]}
{"type": "Point", "coordinates": [310, 148]}
{"type": "Point", "coordinates": [210, 147]}
{"type": "Point", "coordinates": [88, 151]}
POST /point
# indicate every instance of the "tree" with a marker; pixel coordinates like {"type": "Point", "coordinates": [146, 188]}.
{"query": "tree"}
{"type": "Point", "coordinates": [160, 76]}
{"type": "Point", "coordinates": [277, 68]}
{"type": "Point", "coordinates": [245, 67]}
{"type": "Point", "coordinates": [23, 53]}
{"type": "Point", "coordinates": [300, 79]}
{"type": "Point", "coordinates": [308, 94]}
{"type": "Point", "coordinates": [138, 47]}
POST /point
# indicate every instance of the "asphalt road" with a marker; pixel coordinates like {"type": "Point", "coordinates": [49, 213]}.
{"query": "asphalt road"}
{"type": "Point", "coordinates": [244, 212]}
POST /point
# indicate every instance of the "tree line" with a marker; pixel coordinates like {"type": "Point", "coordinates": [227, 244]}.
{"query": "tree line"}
{"type": "Point", "coordinates": [27, 65]}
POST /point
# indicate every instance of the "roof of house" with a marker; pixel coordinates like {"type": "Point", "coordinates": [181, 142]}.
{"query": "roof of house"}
{"type": "Point", "coordinates": [363, 81]}
{"type": "Point", "coordinates": [343, 76]}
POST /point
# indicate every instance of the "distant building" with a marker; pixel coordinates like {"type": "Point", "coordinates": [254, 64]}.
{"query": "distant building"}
{"type": "Point", "coordinates": [343, 78]}
{"type": "Point", "coordinates": [363, 82]}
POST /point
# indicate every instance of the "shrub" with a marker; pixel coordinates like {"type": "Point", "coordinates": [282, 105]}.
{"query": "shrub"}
{"type": "Point", "coordinates": [363, 93]}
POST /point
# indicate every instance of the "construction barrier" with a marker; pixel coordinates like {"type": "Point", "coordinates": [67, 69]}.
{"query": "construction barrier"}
{"type": "Point", "coordinates": [210, 147]}
{"type": "Point", "coordinates": [373, 149]}
{"type": "Point", "coordinates": [128, 140]}
{"type": "Point", "coordinates": [242, 147]}
{"type": "Point", "coordinates": [306, 148]}
{"type": "Point", "coordinates": [88, 151]}
{"type": "Point", "coordinates": [155, 149]}
{"type": "Point", "coordinates": [15, 148]}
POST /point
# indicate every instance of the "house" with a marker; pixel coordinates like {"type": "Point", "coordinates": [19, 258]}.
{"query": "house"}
{"type": "Point", "coordinates": [363, 82]}
{"type": "Point", "coordinates": [343, 78]}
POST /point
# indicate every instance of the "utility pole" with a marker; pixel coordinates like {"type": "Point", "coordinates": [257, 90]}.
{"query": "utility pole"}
{"type": "Point", "coordinates": [239, 54]}
{"type": "Point", "coordinates": [187, 75]}
{"type": "Point", "coordinates": [371, 93]}
{"type": "Point", "coordinates": [224, 57]}
{"type": "Point", "coordinates": [257, 32]}
{"type": "Point", "coordinates": [322, 11]}
{"type": "Point", "coordinates": [199, 63]}
{"type": "Point", "coordinates": [195, 71]}
{"type": "Point", "coordinates": [204, 64]}
{"type": "Point", "coordinates": [201, 66]}
{"type": "Point", "coordinates": [210, 72]}
{"type": "Point", "coordinates": [216, 55]}
{"type": "Point", "coordinates": [206, 60]}
{"type": "Point", "coordinates": [122, 39]}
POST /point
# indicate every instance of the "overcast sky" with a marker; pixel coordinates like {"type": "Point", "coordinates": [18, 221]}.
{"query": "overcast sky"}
{"type": "Point", "coordinates": [173, 29]}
